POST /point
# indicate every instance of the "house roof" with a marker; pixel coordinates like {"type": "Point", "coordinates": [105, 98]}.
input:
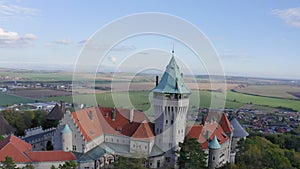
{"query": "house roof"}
{"type": "Point", "coordinates": [14, 147]}
{"type": "Point", "coordinates": [221, 118]}
{"type": "Point", "coordinates": [44, 156]}
{"type": "Point", "coordinates": [172, 81]}
{"type": "Point", "coordinates": [210, 128]}
{"type": "Point", "coordinates": [88, 122]}
{"type": "Point", "coordinates": [20, 151]}
{"type": "Point", "coordinates": [56, 113]}
{"type": "Point", "coordinates": [103, 122]}
{"type": "Point", "coordinates": [143, 131]}
{"type": "Point", "coordinates": [214, 144]}
{"type": "Point", "coordinates": [239, 131]}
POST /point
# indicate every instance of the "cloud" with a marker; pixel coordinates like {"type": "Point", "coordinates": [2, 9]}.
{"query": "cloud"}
{"type": "Point", "coordinates": [13, 39]}
{"type": "Point", "coordinates": [291, 16]}
{"type": "Point", "coordinates": [15, 11]}
{"type": "Point", "coordinates": [61, 42]}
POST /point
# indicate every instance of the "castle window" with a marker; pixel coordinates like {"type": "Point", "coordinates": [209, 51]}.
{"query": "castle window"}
{"type": "Point", "coordinates": [166, 121]}
{"type": "Point", "coordinates": [117, 140]}
{"type": "Point", "coordinates": [171, 121]}
{"type": "Point", "coordinates": [213, 157]}
{"type": "Point", "coordinates": [145, 147]}
{"type": "Point", "coordinates": [112, 140]}
{"type": "Point", "coordinates": [74, 147]}
{"type": "Point", "coordinates": [172, 108]}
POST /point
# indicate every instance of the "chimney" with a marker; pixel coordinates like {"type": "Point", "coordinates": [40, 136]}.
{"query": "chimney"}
{"type": "Point", "coordinates": [156, 81]}
{"type": "Point", "coordinates": [131, 115]}
{"type": "Point", "coordinates": [113, 115]}
{"type": "Point", "coordinates": [62, 105]}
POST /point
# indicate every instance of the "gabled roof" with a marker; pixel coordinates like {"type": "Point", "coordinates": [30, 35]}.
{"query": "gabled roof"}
{"type": "Point", "coordinates": [221, 118]}
{"type": "Point", "coordinates": [14, 147]}
{"type": "Point", "coordinates": [45, 156]}
{"type": "Point", "coordinates": [102, 122]}
{"type": "Point", "coordinates": [172, 81]}
{"type": "Point", "coordinates": [210, 127]}
{"type": "Point", "coordinates": [239, 131]}
{"type": "Point", "coordinates": [56, 113]}
{"type": "Point", "coordinates": [214, 144]}
{"type": "Point", "coordinates": [20, 152]}
{"type": "Point", "coordinates": [90, 127]}
{"type": "Point", "coordinates": [225, 124]}
{"type": "Point", "coordinates": [143, 131]}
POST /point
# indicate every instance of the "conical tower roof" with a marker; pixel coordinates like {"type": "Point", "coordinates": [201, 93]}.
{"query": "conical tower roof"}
{"type": "Point", "coordinates": [214, 144]}
{"type": "Point", "coordinates": [172, 81]}
{"type": "Point", "coordinates": [238, 130]}
{"type": "Point", "coordinates": [66, 129]}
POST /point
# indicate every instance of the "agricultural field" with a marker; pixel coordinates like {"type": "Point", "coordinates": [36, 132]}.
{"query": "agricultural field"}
{"type": "Point", "coordinates": [38, 94]}
{"type": "Point", "coordinates": [141, 100]}
{"type": "Point", "coordinates": [7, 99]}
{"type": "Point", "coordinates": [278, 91]}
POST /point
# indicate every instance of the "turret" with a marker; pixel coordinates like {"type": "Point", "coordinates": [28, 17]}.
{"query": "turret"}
{"type": "Point", "coordinates": [66, 138]}
{"type": "Point", "coordinates": [214, 153]}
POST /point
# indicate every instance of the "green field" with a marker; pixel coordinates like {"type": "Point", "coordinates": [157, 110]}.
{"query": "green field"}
{"type": "Point", "coordinates": [141, 100]}
{"type": "Point", "coordinates": [7, 99]}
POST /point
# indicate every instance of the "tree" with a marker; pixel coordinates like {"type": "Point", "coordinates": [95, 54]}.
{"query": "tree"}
{"type": "Point", "coordinates": [53, 167]}
{"type": "Point", "coordinates": [126, 162]}
{"type": "Point", "coordinates": [191, 155]}
{"type": "Point", "coordinates": [69, 165]}
{"type": "Point", "coordinates": [8, 164]}
{"type": "Point", "coordinates": [28, 166]}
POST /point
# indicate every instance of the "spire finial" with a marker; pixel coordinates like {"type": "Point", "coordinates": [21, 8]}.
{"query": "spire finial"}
{"type": "Point", "coordinates": [173, 50]}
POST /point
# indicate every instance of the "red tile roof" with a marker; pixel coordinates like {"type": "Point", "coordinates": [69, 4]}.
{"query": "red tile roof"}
{"type": "Point", "coordinates": [210, 128]}
{"type": "Point", "coordinates": [143, 131]}
{"type": "Point", "coordinates": [88, 122]}
{"type": "Point", "coordinates": [103, 123]}
{"type": "Point", "coordinates": [20, 151]}
{"type": "Point", "coordinates": [226, 124]}
{"type": "Point", "coordinates": [43, 156]}
{"type": "Point", "coordinates": [14, 147]}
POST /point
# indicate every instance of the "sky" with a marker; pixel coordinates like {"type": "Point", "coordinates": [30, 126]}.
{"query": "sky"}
{"type": "Point", "coordinates": [253, 37]}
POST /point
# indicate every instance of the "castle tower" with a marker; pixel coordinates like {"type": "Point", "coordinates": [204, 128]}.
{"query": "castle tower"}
{"type": "Point", "coordinates": [214, 153]}
{"type": "Point", "coordinates": [66, 138]}
{"type": "Point", "coordinates": [170, 102]}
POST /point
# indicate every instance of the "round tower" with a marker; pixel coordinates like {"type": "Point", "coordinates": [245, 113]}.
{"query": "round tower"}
{"type": "Point", "coordinates": [170, 102]}
{"type": "Point", "coordinates": [66, 138]}
{"type": "Point", "coordinates": [214, 153]}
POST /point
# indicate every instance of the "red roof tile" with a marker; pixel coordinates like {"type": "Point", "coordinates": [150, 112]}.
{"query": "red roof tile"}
{"type": "Point", "coordinates": [88, 122]}
{"type": "Point", "coordinates": [14, 147]}
{"type": "Point", "coordinates": [143, 131]}
{"type": "Point", "coordinates": [226, 124]}
{"type": "Point", "coordinates": [43, 156]}
{"type": "Point", "coordinates": [206, 132]}
{"type": "Point", "coordinates": [103, 123]}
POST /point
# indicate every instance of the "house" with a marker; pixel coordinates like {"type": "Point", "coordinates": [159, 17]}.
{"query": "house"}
{"type": "Point", "coordinates": [22, 154]}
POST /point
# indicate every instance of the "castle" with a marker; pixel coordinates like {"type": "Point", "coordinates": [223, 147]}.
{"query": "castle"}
{"type": "Point", "coordinates": [97, 135]}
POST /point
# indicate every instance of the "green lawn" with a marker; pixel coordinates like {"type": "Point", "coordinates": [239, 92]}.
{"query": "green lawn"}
{"type": "Point", "coordinates": [7, 99]}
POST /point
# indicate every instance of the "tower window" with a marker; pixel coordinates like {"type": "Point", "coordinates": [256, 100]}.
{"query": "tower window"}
{"type": "Point", "coordinates": [74, 147]}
